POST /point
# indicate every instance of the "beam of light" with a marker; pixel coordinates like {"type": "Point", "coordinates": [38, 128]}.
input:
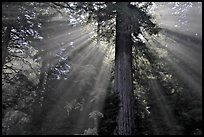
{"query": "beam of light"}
{"type": "Point", "coordinates": [184, 55]}
{"type": "Point", "coordinates": [78, 42]}
{"type": "Point", "coordinates": [91, 55]}
{"type": "Point", "coordinates": [185, 73]}
{"type": "Point", "coordinates": [82, 59]}
{"type": "Point", "coordinates": [83, 117]}
{"type": "Point", "coordinates": [68, 47]}
{"type": "Point", "coordinates": [50, 44]}
{"type": "Point", "coordinates": [71, 87]}
{"type": "Point", "coordinates": [70, 34]}
{"type": "Point", "coordinates": [183, 16]}
{"type": "Point", "coordinates": [99, 91]}
{"type": "Point", "coordinates": [184, 43]}
{"type": "Point", "coordinates": [195, 83]}
{"type": "Point", "coordinates": [91, 63]}
{"type": "Point", "coordinates": [65, 93]}
{"type": "Point", "coordinates": [79, 60]}
{"type": "Point", "coordinates": [180, 48]}
{"type": "Point", "coordinates": [185, 40]}
{"type": "Point", "coordinates": [183, 66]}
{"type": "Point", "coordinates": [88, 63]}
{"type": "Point", "coordinates": [163, 110]}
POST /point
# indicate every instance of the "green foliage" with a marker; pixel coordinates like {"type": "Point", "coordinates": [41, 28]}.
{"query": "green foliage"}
{"type": "Point", "coordinates": [150, 62]}
{"type": "Point", "coordinates": [90, 131]}
{"type": "Point", "coordinates": [20, 74]}
{"type": "Point", "coordinates": [95, 114]}
{"type": "Point", "coordinates": [15, 123]}
{"type": "Point", "coordinates": [29, 78]}
{"type": "Point", "coordinates": [107, 124]}
{"type": "Point", "coordinates": [103, 14]}
{"type": "Point", "coordinates": [74, 105]}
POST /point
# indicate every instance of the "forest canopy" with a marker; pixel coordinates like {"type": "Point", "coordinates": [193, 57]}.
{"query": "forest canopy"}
{"type": "Point", "coordinates": [101, 68]}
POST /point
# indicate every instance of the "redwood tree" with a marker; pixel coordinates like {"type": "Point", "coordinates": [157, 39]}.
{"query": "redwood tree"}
{"type": "Point", "coordinates": [123, 73]}
{"type": "Point", "coordinates": [129, 18]}
{"type": "Point", "coordinates": [5, 43]}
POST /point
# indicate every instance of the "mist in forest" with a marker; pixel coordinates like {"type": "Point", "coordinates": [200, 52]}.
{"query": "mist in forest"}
{"type": "Point", "coordinates": [58, 72]}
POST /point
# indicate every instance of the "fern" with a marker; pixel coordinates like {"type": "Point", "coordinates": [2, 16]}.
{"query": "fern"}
{"type": "Point", "coordinates": [90, 131]}
{"type": "Point", "coordinates": [74, 105]}
{"type": "Point", "coordinates": [95, 114]}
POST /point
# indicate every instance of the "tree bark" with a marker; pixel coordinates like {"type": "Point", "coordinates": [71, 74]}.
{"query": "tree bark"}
{"type": "Point", "coordinates": [5, 43]}
{"type": "Point", "coordinates": [37, 120]}
{"type": "Point", "coordinates": [123, 73]}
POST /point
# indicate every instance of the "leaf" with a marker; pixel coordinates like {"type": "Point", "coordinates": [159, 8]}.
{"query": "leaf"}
{"type": "Point", "coordinates": [90, 131]}
{"type": "Point", "coordinates": [68, 107]}
{"type": "Point", "coordinates": [94, 114]}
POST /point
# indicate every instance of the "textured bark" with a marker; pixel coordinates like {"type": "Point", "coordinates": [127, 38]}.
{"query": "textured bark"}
{"type": "Point", "coordinates": [37, 114]}
{"type": "Point", "coordinates": [98, 32]}
{"type": "Point", "coordinates": [123, 74]}
{"type": "Point", "coordinates": [5, 43]}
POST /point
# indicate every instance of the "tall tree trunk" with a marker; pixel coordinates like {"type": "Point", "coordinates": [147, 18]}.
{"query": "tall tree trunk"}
{"type": "Point", "coordinates": [98, 32]}
{"type": "Point", "coordinates": [37, 119]}
{"type": "Point", "coordinates": [5, 43]}
{"type": "Point", "coordinates": [123, 73]}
